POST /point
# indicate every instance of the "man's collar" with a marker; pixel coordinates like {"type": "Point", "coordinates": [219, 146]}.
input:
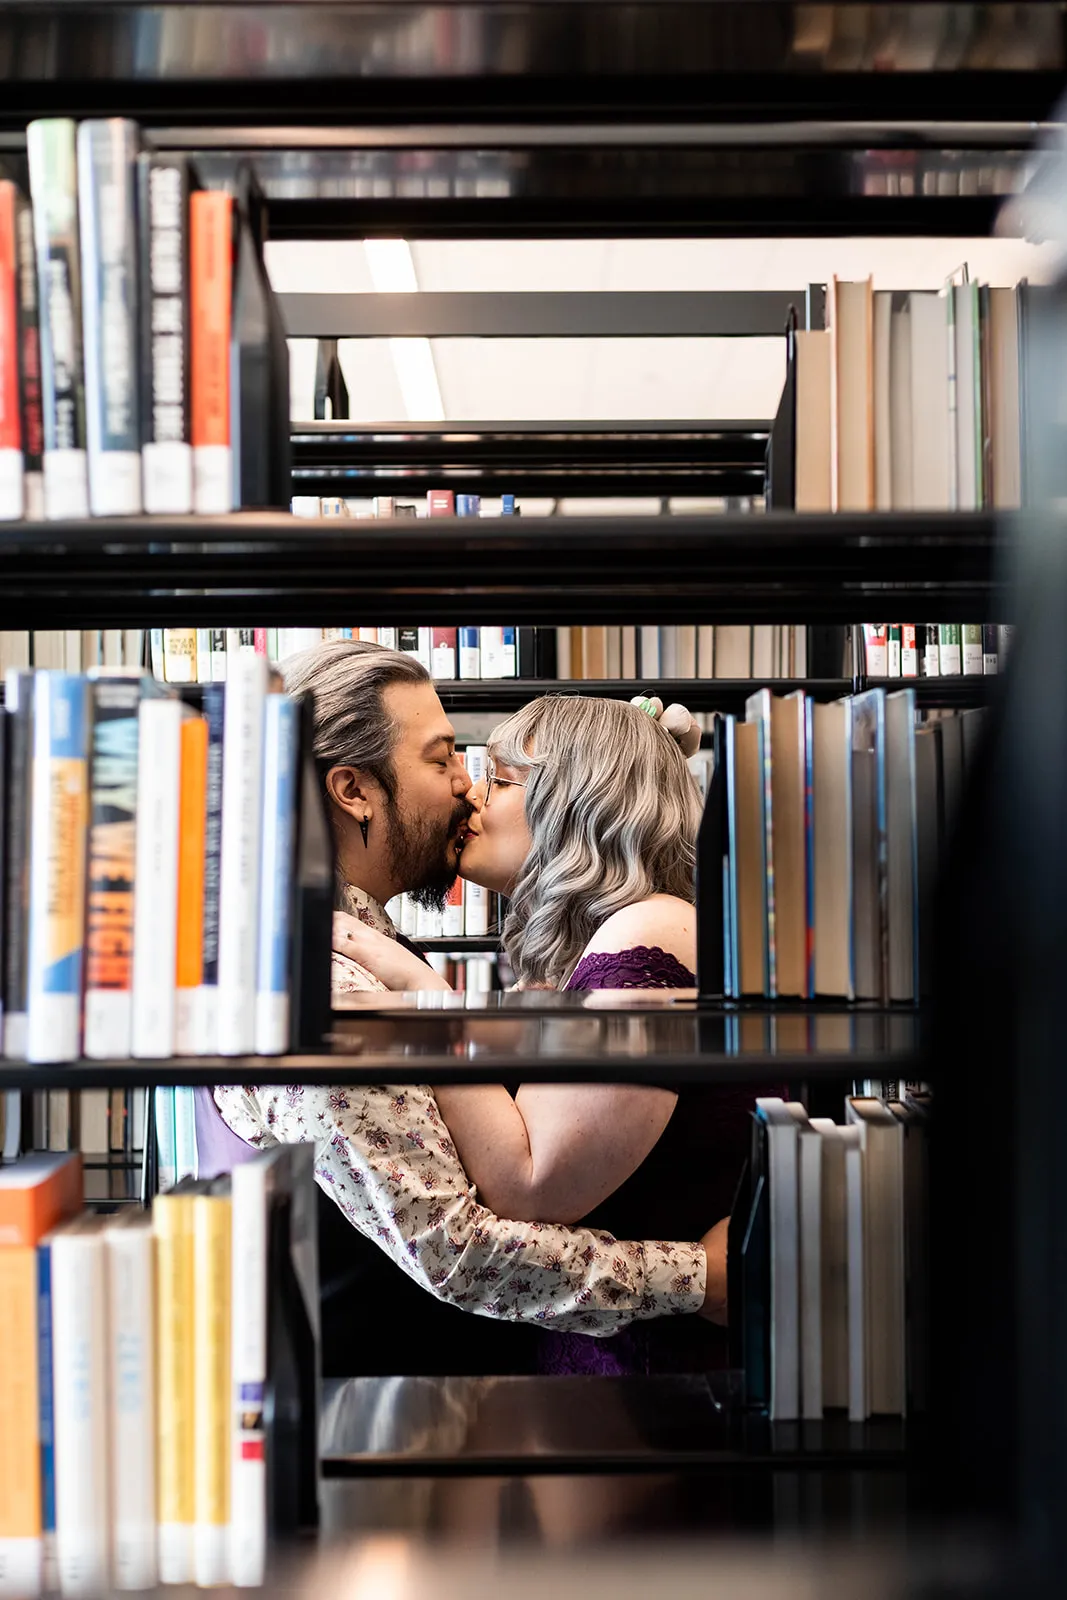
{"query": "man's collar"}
{"type": "Point", "coordinates": [364, 907]}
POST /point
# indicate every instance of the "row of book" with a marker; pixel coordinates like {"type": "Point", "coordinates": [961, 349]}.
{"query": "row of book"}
{"type": "Point", "coordinates": [200, 655]}
{"type": "Point", "coordinates": [908, 401]}
{"type": "Point", "coordinates": [101, 1123]}
{"type": "Point", "coordinates": [471, 911]}
{"type": "Point", "coordinates": [934, 649]}
{"type": "Point", "coordinates": [828, 1255]}
{"type": "Point", "coordinates": [150, 865]}
{"type": "Point", "coordinates": [72, 649]}
{"type": "Point", "coordinates": [823, 829]}
{"type": "Point", "coordinates": [143, 360]}
{"type": "Point", "coordinates": [435, 503]}
{"type": "Point", "coordinates": [159, 1386]}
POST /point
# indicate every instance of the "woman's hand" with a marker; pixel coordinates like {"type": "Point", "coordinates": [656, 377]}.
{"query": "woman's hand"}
{"type": "Point", "coordinates": [714, 1242]}
{"type": "Point", "coordinates": [385, 958]}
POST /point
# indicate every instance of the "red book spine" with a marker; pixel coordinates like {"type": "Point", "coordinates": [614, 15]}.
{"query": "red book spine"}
{"type": "Point", "coordinates": [441, 503]}
{"type": "Point", "coordinates": [10, 426]}
{"type": "Point", "coordinates": [260, 641]}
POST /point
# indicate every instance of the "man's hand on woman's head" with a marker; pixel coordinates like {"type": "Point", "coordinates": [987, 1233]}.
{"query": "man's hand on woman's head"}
{"type": "Point", "coordinates": [385, 958]}
{"type": "Point", "coordinates": [714, 1242]}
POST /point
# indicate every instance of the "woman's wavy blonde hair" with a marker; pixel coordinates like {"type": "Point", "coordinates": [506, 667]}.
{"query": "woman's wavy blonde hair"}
{"type": "Point", "coordinates": [613, 813]}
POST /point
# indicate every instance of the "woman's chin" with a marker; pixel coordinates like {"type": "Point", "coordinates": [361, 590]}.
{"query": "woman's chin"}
{"type": "Point", "coordinates": [468, 868]}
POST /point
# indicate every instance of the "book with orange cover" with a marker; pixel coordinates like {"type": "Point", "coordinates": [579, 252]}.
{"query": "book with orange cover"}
{"type": "Point", "coordinates": [211, 291]}
{"type": "Point", "coordinates": [35, 1194]}
{"type": "Point", "coordinates": [192, 825]}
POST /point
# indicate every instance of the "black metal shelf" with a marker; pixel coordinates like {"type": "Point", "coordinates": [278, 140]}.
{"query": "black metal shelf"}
{"type": "Point", "coordinates": [707, 694]}
{"type": "Point", "coordinates": [277, 569]}
{"type": "Point", "coordinates": [463, 944]}
{"type": "Point", "coordinates": [462, 1426]}
{"type": "Point", "coordinates": [566, 458]}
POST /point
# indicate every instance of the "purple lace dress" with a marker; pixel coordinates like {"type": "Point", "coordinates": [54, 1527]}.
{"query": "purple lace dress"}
{"type": "Point", "coordinates": [685, 1184]}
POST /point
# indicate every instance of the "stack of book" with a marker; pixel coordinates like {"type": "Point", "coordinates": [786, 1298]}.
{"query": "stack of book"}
{"type": "Point", "coordinates": [157, 867]}
{"type": "Point", "coordinates": [907, 402]}
{"type": "Point", "coordinates": [828, 1260]}
{"type": "Point", "coordinates": [143, 360]}
{"type": "Point", "coordinates": [934, 649]}
{"type": "Point", "coordinates": [682, 650]}
{"type": "Point", "coordinates": [159, 1385]}
{"type": "Point", "coordinates": [819, 849]}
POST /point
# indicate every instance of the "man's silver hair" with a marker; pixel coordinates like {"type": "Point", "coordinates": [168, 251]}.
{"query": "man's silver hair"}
{"type": "Point", "coordinates": [613, 813]}
{"type": "Point", "coordinates": [348, 678]}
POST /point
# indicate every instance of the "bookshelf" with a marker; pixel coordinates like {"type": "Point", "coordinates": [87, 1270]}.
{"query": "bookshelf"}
{"type": "Point", "coordinates": [775, 140]}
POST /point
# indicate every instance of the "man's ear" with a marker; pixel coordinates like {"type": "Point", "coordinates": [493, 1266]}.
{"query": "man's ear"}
{"type": "Point", "coordinates": [353, 792]}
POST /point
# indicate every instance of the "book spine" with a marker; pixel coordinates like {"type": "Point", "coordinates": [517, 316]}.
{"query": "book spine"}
{"type": "Point", "coordinates": [131, 1346]}
{"type": "Point", "coordinates": [948, 644]}
{"type": "Point", "coordinates": [876, 649]}
{"type": "Point", "coordinates": [218, 656]}
{"type": "Point", "coordinates": [470, 655]}
{"type": "Point", "coordinates": [53, 188]}
{"type": "Point", "coordinates": [893, 642]}
{"type": "Point", "coordinates": [29, 366]}
{"type": "Point", "coordinates": [211, 287]}
{"type": "Point", "coordinates": [179, 655]}
{"type": "Point", "coordinates": [206, 1030]}
{"type": "Point", "coordinates": [211, 1388]}
{"type": "Point", "coordinates": [990, 659]}
{"type": "Point", "coordinates": [155, 651]}
{"type": "Point", "coordinates": [172, 1224]}
{"type": "Point", "coordinates": [246, 690]}
{"type": "Point", "coordinates": [46, 1413]}
{"type": "Point", "coordinates": [443, 657]}
{"type": "Point", "coordinates": [20, 1465]}
{"type": "Point", "coordinates": [156, 906]}
{"type": "Point", "coordinates": [971, 641]}
{"type": "Point", "coordinates": [440, 503]}
{"type": "Point", "coordinates": [475, 897]}
{"type": "Point", "coordinates": [11, 500]}
{"type": "Point", "coordinates": [112, 859]}
{"type": "Point", "coordinates": [192, 826]}
{"type": "Point", "coordinates": [79, 1364]}
{"type": "Point", "coordinates": [281, 743]}
{"type": "Point", "coordinates": [931, 654]}
{"type": "Point", "coordinates": [186, 1160]}
{"type": "Point", "coordinates": [16, 909]}
{"type": "Point", "coordinates": [59, 823]}
{"type": "Point", "coordinates": [107, 155]}
{"type": "Point", "coordinates": [909, 654]}
{"type": "Point", "coordinates": [166, 1140]}
{"type": "Point", "coordinates": [165, 343]}
{"type": "Point", "coordinates": [468, 505]}
{"type": "Point", "coordinates": [248, 1483]}
{"type": "Point", "coordinates": [203, 655]}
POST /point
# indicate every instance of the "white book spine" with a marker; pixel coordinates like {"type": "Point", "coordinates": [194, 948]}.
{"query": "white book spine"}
{"type": "Point", "coordinates": [212, 479]}
{"type": "Point", "coordinates": [80, 1383]}
{"type": "Point", "coordinates": [810, 1148]}
{"type": "Point", "coordinates": [131, 1303]}
{"type": "Point", "coordinates": [186, 1162]}
{"type": "Point", "coordinates": [11, 498]}
{"type": "Point", "coordinates": [166, 1140]}
{"type": "Point", "coordinates": [280, 753]}
{"type": "Point", "coordinates": [242, 777]}
{"type": "Point", "coordinates": [453, 923]}
{"type": "Point", "coordinates": [857, 1321]}
{"type": "Point", "coordinates": [203, 655]}
{"type": "Point", "coordinates": [475, 897]}
{"type": "Point", "coordinates": [649, 651]}
{"type": "Point", "coordinates": [248, 1355]}
{"type": "Point", "coordinates": [155, 921]}
{"type": "Point", "coordinates": [785, 1277]}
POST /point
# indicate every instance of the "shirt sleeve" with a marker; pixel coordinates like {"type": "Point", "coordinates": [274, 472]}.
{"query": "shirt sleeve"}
{"type": "Point", "coordinates": [384, 1156]}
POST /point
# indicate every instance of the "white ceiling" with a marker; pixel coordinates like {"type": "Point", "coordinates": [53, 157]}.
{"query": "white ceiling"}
{"type": "Point", "coordinates": [612, 379]}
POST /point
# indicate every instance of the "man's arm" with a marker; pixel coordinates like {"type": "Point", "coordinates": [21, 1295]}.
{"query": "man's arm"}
{"type": "Point", "coordinates": [385, 1157]}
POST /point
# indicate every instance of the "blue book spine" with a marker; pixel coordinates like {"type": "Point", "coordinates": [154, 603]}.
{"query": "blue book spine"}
{"type": "Point", "coordinates": [508, 654]}
{"type": "Point", "coordinates": [732, 983]}
{"type": "Point", "coordinates": [470, 654]}
{"type": "Point", "coordinates": [46, 1415]}
{"type": "Point", "coordinates": [166, 1144]}
{"type": "Point", "coordinates": [280, 776]}
{"type": "Point", "coordinates": [507, 505]}
{"type": "Point", "coordinates": [468, 505]}
{"type": "Point", "coordinates": [186, 1161]}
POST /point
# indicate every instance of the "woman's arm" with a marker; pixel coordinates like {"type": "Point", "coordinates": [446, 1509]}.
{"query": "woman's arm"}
{"type": "Point", "coordinates": [384, 1156]}
{"type": "Point", "coordinates": [556, 1151]}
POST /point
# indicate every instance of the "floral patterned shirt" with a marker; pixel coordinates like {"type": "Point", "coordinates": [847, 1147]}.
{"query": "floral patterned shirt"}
{"type": "Point", "coordinates": [384, 1156]}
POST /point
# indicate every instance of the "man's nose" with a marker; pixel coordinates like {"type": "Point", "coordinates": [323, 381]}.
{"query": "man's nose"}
{"type": "Point", "coordinates": [461, 779]}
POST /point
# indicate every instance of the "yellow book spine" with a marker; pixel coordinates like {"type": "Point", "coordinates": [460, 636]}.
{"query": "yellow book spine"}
{"type": "Point", "coordinates": [20, 1462]}
{"type": "Point", "coordinates": [212, 1214]}
{"type": "Point", "coordinates": [172, 1219]}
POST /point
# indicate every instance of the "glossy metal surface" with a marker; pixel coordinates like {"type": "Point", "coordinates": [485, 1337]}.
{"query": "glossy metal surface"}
{"type": "Point", "coordinates": [552, 1424]}
{"type": "Point", "coordinates": [279, 569]}
{"type": "Point", "coordinates": [728, 59]}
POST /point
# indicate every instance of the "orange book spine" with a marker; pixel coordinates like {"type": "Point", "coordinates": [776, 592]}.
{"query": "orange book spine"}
{"type": "Point", "coordinates": [192, 828]}
{"type": "Point", "coordinates": [211, 292]}
{"type": "Point", "coordinates": [29, 1209]}
{"type": "Point", "coordinates": [20, 1465]}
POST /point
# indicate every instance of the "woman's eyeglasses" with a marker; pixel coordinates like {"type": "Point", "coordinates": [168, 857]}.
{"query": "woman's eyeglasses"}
{"type": "Point", "coordinates": [491, 778]}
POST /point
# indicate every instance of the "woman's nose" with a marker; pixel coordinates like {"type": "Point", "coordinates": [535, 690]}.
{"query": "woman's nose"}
{"type": "Point", "coordinates": [476, 794]}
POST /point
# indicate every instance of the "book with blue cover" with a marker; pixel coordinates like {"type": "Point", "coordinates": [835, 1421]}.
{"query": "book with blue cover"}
{"type": "Point", "coordinates": [281, 756]}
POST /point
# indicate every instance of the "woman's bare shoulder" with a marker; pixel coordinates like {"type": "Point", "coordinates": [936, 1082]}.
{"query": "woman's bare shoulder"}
{"type": "Point", "coordinates": [663, 922]}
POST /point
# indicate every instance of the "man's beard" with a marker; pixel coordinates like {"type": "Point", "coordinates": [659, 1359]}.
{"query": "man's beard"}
{"type": "Point", "coordinates": [420, 856]}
